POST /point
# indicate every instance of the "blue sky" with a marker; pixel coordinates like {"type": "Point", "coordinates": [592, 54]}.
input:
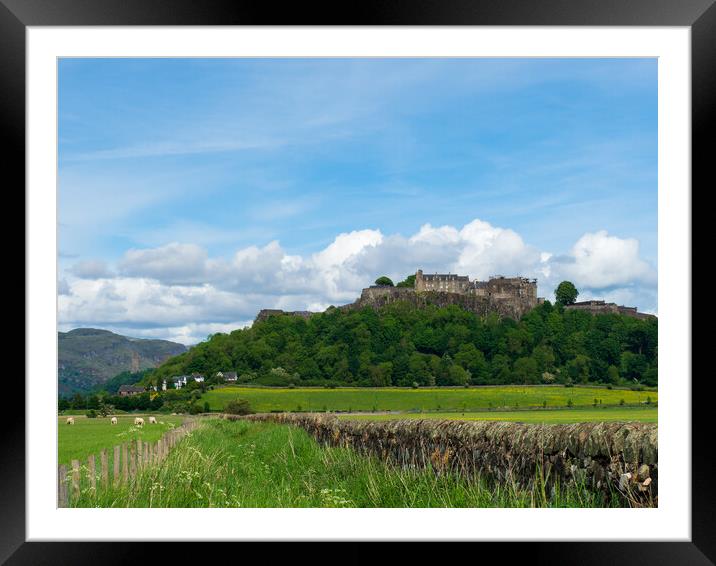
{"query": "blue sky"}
{"type": "Point", "coordinates": [172, 170]}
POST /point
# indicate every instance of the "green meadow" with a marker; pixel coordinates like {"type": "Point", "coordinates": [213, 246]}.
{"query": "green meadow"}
{"type": "Point", "coordinates": [546, 416]}
{"type": "Point", "coordinates": [90, 436]}
{"type": "Point", "coordinates": [425, 399]}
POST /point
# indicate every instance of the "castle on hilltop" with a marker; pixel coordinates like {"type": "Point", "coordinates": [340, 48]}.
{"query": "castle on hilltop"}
{"type": "Point", "coordinates": [505, 296]}
{"type": "Point", "coordinates": [497, 286]}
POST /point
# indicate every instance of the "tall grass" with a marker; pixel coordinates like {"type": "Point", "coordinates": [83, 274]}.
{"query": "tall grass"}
{"type": "Point", "coordinates": [250, 464]}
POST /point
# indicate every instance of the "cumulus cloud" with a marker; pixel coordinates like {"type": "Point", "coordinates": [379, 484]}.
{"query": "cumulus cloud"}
{"type": "Point", "coordinates": [598, 260]}
{"type": "Point", "coordinates": [173, 263]}
{"type": "Point", "coordinates": [63, 288]}
{"type": "Point", "coordinates": [178, 290]}
{"type": "Point", "coordinates": [91, 269]}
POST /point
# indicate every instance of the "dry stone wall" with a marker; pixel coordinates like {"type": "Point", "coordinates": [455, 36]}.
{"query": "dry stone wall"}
{"type": "Point", "coordinates": [617, 457]}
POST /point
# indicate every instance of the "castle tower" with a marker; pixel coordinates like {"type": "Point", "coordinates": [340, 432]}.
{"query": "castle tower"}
{"type": "Point", "coordinates": [419, 282]}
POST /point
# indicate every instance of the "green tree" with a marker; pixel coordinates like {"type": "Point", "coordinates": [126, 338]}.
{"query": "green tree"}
{"type": "Point", "coordinates": [458, 376]}
{"type": "Point", "coordinates": [613, 375]}
{"type": "Point", "coordinates": [384, 281]}
{"type": "Point", "coordinates": [238, 407]}
{"type": "Point", "coordinates": [578, 369]}
{"type": "Point", "coordinates": [566, 293]}
{"type": "Point", "coordinates": [525, 371]}
{"type": "Point", "coordinates": [409, 281]}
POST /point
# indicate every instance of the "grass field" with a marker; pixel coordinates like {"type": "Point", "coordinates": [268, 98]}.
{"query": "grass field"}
{"type": "Point", "coordinates": [251, 464]}
{"type": "Point", "coordinates": [424, 399]}
{"type": "Point", "coordinates": [89, 436]}
{"type": "Point", "coordinates": [547, 416]}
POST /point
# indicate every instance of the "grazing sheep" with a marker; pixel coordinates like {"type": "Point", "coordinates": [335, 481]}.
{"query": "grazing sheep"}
{"type": "Point", "coordinates": [139, 421]}
{"type": "Point", "coordinates": [114, 420]}
{"type": "Point", "coordinates": [70, 420]}
{"type": "Point", "coordinates": [152, 420]}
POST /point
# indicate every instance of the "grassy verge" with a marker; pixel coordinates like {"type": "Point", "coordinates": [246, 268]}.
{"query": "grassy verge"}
{"type": "Point", "coordinates": [90, 436]}
{"type": "Point", "coordinates": [549, 416]}
{"type": "Point", "coordinates": [424, 399]}
{"type": "Point", "coordinates": [245, 464]}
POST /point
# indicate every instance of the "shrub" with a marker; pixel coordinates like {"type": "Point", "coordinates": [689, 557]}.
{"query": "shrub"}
{"type": "Point", "coordinates": [569, 402]}
{"type": "Point", "coordinates": [207, 408]}
{"type": "Point", "coordinates": [414, 385]}
{"type": "Point", "coordinates": [621, 401]}
{"type": "Point", "coordinates": [91, 414]}
{"type": "Point", "coordinates": [238, 407]}
{"type": "Point", "coordinates": [194, 409]}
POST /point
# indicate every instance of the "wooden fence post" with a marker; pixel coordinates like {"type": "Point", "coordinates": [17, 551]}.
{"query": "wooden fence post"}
{"type": "Point", "coordinates": [104, 468]}
{"type": "Point", "coordinates": [92, 470]}
{"type": "Point", "coordinates": [132, 460]}
{"type": "Point", "coordinates": [115, 466]}
{"type": "Point", "coordinates": [140, 454]}
{"type": "Point", "coordinates": [146, 454]}
{"type": "Point", "coordinates": [125, 464]}
{"type": "Point", "coordinates": [75, 479]}
{"type": "Point", "coordinates": [62, 486]}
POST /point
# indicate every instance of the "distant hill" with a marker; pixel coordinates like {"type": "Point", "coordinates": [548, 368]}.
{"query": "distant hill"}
{"type": "Point", "coordinates": [91, 356]}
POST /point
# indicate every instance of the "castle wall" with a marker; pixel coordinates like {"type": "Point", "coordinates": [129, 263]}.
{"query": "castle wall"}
{"type": "Point", "coordinates": [600, 307]}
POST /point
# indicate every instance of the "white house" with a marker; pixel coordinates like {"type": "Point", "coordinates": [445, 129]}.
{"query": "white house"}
{"type": "Point", "coordinates": [227, 375]}
{"type": "Point", "coordinates": [198, 377]}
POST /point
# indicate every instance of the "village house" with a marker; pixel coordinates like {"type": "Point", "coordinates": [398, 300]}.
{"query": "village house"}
{"type": "Point", "coordinates": [181, 380]}
{"type": "Point", "coordinates": [229, 376]}
{"type": "Point", "coordinates": [129, 390]}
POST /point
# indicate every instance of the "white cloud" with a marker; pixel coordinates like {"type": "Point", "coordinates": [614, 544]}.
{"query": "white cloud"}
{"type": "Point", "coordinates": [177, 290]}
{"type": "Point", "coordinates": [173, 263]}
{"type": "Point", "coordinates": [598, 260]}
{"type": "Point", "coordinates": [91, 269]}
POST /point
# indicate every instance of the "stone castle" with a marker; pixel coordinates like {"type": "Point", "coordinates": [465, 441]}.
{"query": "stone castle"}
{"type": "Point", "coordinates": [505, 296]}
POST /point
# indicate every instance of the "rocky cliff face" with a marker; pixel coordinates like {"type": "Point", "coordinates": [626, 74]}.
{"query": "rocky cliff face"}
{"type": "Point", "coordinates": [377, 297]}
{"type": "Point", "coordinates": [90, 356]}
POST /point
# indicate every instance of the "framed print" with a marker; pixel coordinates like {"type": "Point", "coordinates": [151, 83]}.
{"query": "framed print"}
{"type": "Point", "coordinates": [408, 277]}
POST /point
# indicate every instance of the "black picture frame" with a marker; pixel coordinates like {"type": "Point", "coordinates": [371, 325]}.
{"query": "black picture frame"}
{"type": "Point", "coordinates": [699, 15]}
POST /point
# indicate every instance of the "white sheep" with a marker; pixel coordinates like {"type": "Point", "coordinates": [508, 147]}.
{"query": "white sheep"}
{"type": "Point", "coordinates": [70, 420]}
{"type": "Point", "coordinates": [139, 421]}
{"type": "Point", "coordinates": [114, 420]}
{"type": "Point", "coordinates": [152, 420]}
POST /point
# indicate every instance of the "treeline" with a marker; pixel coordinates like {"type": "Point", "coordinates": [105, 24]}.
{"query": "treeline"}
{"type": "Point", "coordinates": [184, 400]}
{"type": "Point", "coordinates": [404, 346]}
